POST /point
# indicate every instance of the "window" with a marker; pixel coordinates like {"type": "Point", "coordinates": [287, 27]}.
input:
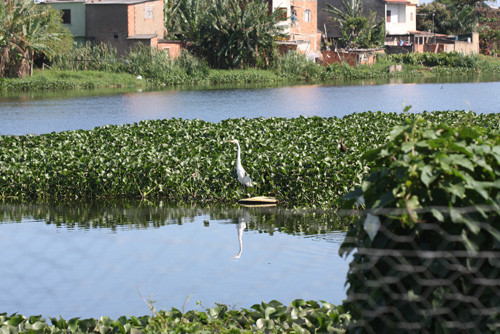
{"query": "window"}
{"type": "Point", "coordinates": [282, 13]}
{"type": "Point", "coordinates": [307, 16]}
{"type": "Point", "coordinates": [66, 16]}
{"type": "Point", "coordinates": [148, 12]}
{"type": "Point", "coordinates": [388, 16]}
{"type": "Point", "coordinates": [411, 16]}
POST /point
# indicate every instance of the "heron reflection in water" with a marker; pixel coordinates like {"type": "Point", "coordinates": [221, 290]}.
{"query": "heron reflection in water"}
{"type": "Point", "coordinates": [242, 224]}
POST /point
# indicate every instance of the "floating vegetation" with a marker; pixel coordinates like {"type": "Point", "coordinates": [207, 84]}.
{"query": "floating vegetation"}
{"type": "Point", "coordinates": [298, 161]}
{"type": "Point", "coordinates": [299, 317]}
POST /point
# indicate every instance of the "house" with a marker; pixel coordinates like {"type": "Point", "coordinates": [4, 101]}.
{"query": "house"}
{"type": "Point", "coordinates": [124, 23]}
{"type": "Point", "coordinates": [401, 16]}
{"type": "Point", "coordinates": [421, 41]}
{"type": "Point", "coordinates": [73, 16]}
{"type": "Point", "coordinates": [300, 26]}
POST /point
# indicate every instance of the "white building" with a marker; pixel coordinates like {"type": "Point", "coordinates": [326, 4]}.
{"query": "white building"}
{"type": "Point", "coordinates": [401, 16]}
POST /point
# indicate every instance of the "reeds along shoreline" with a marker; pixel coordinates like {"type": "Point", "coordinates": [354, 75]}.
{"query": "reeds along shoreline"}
{"type": "Point", "coordinates": [155, 68]}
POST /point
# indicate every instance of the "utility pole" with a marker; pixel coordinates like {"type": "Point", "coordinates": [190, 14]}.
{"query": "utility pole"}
{"type": "Point", "coordinates": [433, 14]}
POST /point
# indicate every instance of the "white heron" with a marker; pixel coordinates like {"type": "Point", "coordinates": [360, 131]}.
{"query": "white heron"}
{"type": "Point", "coordinates": [243, 176]}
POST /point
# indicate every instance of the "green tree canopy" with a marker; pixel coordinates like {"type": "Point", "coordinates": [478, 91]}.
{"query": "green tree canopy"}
{"type": "Point", "coordinates": [357, 29]}
{"type": "Point", "coordinates": [227, 33]}
{"type": "Point", "coordinates": [25, 29]}
{"type": "Point", "coordinates": [450, 17]}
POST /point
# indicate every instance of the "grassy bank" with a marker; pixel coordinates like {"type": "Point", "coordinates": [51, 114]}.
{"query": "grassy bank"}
{"type": "Point", "coordinates": [155, 70]}
{"type": "Point", "coordinates": [53, 80]}
{"type": "Point", "coordinates": [296, 160]}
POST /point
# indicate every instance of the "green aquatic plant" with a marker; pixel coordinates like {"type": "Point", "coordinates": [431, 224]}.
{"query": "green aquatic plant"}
{"type": "Point", "coordinates": [296, 160]}
{"type": "Point", "coordinates": [299, 316]}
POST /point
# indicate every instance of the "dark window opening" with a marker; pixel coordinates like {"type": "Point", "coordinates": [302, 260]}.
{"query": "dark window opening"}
{"type": "Point", "coordinates": [66, 16]}
{"type": "Point", "coordinates": [282, 13]}
{"type": "Point", "coordinates": [388, 16]}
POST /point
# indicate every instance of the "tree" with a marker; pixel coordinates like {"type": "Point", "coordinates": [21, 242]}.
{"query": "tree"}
{"type": "Point", "coordinates": [489, 31]}
{"type": "Point", "coordinates": [237, 35]}
{"type": "Point", "coordinates": [26, 29]}
{"type": "Point", "coordinates": [183, 18]}
{"type": "Point", "coordinates": [357, 29]}
{"type": "Point", "coordinates": [450, 17]}
{"type": "Point", "coordinates": [227, 33]}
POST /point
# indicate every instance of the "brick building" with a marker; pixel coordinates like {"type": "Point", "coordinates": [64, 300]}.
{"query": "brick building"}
{"type": "Point", "coordinates": [123, 23]}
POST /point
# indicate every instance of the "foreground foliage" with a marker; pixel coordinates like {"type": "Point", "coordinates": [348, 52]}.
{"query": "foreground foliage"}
{"type": "Point", "coordinates": [433, 197]}
{"type": "Point", "coordinates": [273, 317]}
{"type": "Point", "coordinates": [296, 160]}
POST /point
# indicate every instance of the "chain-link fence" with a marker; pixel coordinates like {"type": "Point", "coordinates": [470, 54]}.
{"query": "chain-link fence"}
{"type": "Point", "coordinates": [403, 281]}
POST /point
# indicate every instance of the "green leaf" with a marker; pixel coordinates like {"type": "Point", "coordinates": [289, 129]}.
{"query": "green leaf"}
{"type": "Point", "coordinates": [426, 175]}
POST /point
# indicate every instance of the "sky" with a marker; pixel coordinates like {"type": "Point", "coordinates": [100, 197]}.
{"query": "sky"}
{"type": "Point", "coordinates": [495, 3]}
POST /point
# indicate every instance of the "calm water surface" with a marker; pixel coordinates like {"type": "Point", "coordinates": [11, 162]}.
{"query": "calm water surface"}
{"type": "Point", "coordinates": [46, 113]}
{"type": "Point", "coordinates": [92, 260]}
{"type": "Point", "coordinates": [89, 260]}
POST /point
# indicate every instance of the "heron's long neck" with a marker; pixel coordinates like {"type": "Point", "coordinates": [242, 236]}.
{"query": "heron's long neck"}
{"type": "Point", "coordinates": [238, 157]}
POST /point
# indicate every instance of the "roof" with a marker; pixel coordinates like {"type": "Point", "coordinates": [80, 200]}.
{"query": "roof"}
{"type": "Point", "coordinates": [426, 33]}
{"type": "Point", "coordinates": [142, 36]}
{"type": "Point", "coordinates": [117, 2]}
{"type": "Point", "coordinates": [60, 1]}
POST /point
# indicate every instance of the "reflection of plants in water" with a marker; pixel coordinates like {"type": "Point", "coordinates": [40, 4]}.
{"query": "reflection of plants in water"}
{"type": "Point", "coordinates": [141, 214]}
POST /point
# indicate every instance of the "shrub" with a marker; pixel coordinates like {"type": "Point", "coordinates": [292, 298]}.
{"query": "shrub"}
{"type": "Point", "coordinates": [297, 66]}
{"type": "Point", "coordinates": [433, 200]}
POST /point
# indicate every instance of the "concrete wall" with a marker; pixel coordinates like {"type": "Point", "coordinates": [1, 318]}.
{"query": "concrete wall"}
{"type": "Point", "coordinates": [107, 23]}
{"type": "Point", "coordinates": [174, 48]}
{"type": "Point", "coordinates": [351, 58]}
{"type": "Point", "coordinates": [394, 49]}
{"type": "Point", "coordinates": [148, 18]}
{"type": "Point", "coordinates": [115, 24]}
{"type": "Point", "coordinates": [77, 9]}
{"type": "Point", "coordinates": [469, 46]}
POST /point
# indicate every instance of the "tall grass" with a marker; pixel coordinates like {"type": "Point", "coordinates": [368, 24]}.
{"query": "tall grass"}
{"type": "Point", "coordinates": [159, 68]}
{"type": "Point", "coordinates": [89, 56]}
{"type": "Point", "coordinates": [156, 68]}
{"type": "Point", "coordinates": [151, 64]}
{"type": "Point", "coordinates": [297, 67]}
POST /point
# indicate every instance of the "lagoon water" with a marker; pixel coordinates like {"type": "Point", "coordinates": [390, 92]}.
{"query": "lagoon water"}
{"type": "Point", "coordinates": [110, 258]}
{"type": "Point", "coordinates": [44, 113]}
{"type": "Point", "coordinates": [95, 259]}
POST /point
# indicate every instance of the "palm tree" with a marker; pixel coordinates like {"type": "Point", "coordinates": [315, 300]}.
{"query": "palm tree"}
{"type": "Point", "coordinates": [183, 17]}
{"type": "Point", "coordinates": [352, 9]}
{"type": "Point", "coordinates": [238, 34]}
{"type": "Point", "coordinates": [25, 29]}
{"type": "Point", "coordinates": [354, 24]}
